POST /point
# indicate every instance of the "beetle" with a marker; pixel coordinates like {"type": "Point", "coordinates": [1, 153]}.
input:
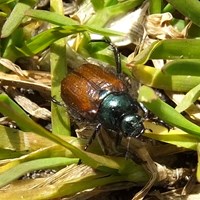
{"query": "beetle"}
{"type": "Point", "coordinates": [96, 94]}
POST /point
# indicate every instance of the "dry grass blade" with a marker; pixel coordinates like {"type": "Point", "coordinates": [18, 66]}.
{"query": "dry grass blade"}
{"type": "Point", "coordinates": [139, 149]}
{"type": "Point", "coordinates": [22, 82]}
{"type": "Point", "coordinates": [61, 184]}
{"type": "Point", "coordinates": [11, 66]}
{"type": "Point", "coordinates": [29, 106]}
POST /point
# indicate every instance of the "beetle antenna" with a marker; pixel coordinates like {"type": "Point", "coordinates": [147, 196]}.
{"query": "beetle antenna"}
{"type": "Point", "coordinates": [115, 51]}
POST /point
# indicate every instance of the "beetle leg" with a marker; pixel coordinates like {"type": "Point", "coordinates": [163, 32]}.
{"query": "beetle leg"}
{"type": "Point", "coordinates": [162, 123]}
{"type": "Point", "coordinates": [150, 116]}
{"type": "Point", "coordinates": [53, 100]}
{"type": "Point", "coordinates": [92, 137]}
{"type": "Point", "coordinates": [118, 139]}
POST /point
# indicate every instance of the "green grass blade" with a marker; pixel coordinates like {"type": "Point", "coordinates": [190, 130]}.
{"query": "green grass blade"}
{"type": "Point", "coordinates": [168, 8]}
{"type": "Point", "coordinates": [176, 48]}
{"type": "Point", "coordinates": [44, 152]}
{"type": "Point", "coordinates": [103, 16]}
{"type": "Point", "coordinates": [38, 164]}
{"type": "Point", "coordinates": [8, 154]}
{"type": "Point", "coordinates": [16, 17]}
{"type": "Point", "coordinates": [66, 182]}
{"type": "Point", "coordinates": [51, 17]}
{"type": "Point", "coordinates": [58, 61]}
{"type": "Point", "coordinates": [166, 112]}
{"type": "Point", "coordinates": [173, 136]}
{"type": "Point", "coordinates": [190, 9]}
{"type": "Point", "coordinates": [198, 164]}
{"type": "Point", "coordinates": [169, 49]}
{"type": "Point", "coordinates": [155, 6]}
{"type": "Point", "coordinates": [158, 79]}
{"type": "Point", "coordinates": [6, 1]}
{"type": "Point", "coordinates": [97, 5]}
{"type": "Point", "coordinates": [190, 67]}
{"type": "Point", "coordinates": [43, 40]}
{"type": "Point", "coordinates": [189, 99]}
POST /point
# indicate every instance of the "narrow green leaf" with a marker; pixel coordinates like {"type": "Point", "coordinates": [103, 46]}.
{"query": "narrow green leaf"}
{"type": "Point", "coordinates": [103, 31]}
{"type": "Point", "coordinates": [98, 5]}
{"type": "Point", "coordinates": [189, 99]}
{"type": "Point", "coordinates": [5, 1]}
{"type": "Point", "coordinates": [43, 40]}
{"type": "Point", "coordinates": [169, 49]}
{"type": "Point", "coordinates": [51, 17]}
{"type": "Point", "coordinates": [11, 139]}
{"type": "Point", "coordinates": [110, 2]}
{"type": "Point", "coordinates": [193, 31]}
{"type": "Point", "coordinates": [44, 152]}
{"type": "Point", "coordinates": [23, 168]}
{"type": "Point", "coordinates": [8, 154]}
{"type": "Point", "coordinates": [8, 45]}
{"type": "Point", "coordinates": [64, 184]}
{"type": "Point", "coordinates": [166, 112]}
{"type": "Point", "coordinates": [176, 48]}
{"type": "Point", "coordinates": [190, 67]}
{"type": "Point", "coordinates": [190, 9]}
{"type": "Point", "coordinates": [16, 17]}
{"type": "Point", "coordinates": [103, 16]}
{"type": "Point", "coordinates": [173, 136]}
{"type": "Point", "coordinates": [158, 79]}
{"type": "Point", "coordinates": [198, 164]}
{"type": "Point", "coordinates": [168, 8]}
{"type": "Point", "coordinates": [155, 6]}
{"type": "Point", "coordinates": [58, 61]}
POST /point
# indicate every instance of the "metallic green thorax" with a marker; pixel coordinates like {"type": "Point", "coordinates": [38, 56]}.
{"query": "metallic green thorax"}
{"type": "Point", "coordinates": [118, 112]}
